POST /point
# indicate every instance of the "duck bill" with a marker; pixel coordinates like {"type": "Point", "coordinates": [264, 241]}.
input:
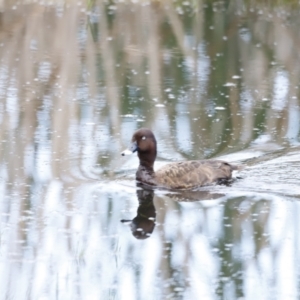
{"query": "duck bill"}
{"type": "Point", "coordinates": [133, 148]}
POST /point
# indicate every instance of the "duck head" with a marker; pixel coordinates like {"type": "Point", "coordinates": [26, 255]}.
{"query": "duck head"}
{"type": "Point", "coordinates": [144, 143]}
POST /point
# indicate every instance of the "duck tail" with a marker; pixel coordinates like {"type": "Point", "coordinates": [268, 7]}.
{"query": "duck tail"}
{"type": "Point", "coordinates": [237, 167]}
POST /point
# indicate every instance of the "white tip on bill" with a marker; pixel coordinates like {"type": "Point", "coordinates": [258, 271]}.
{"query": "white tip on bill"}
{"type": "Point", "coordinates": [126, 152]}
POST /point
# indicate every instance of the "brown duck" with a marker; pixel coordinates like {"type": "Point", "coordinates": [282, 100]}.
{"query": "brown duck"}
{"type": "Point", "coordinates": [177, 175]}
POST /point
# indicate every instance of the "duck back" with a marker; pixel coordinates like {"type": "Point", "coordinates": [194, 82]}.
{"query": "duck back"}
{"type": "Point", "coordinates": [192, 174]}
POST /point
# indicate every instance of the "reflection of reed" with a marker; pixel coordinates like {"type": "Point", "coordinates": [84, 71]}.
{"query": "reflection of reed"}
{"type": "Point", "coordinates": [238, 235]}
{"type": "Point", "coordinates": [241, 218]}
{"type": "Point", "coordinates": [75, 85]}
{"type": "Point", "coordinates": [142, 62]}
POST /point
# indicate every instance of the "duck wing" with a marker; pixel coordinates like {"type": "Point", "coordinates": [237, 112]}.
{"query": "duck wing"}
{"type": "Point", "coordinates": [191, 174]}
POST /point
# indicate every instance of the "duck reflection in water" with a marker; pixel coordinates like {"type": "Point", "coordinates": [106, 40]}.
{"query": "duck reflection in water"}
{"type": "Point", "coordinates": [143, 224]}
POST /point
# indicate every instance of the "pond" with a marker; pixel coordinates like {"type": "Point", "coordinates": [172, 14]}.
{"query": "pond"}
{"type": "Point", "coordinates": [212, 79]}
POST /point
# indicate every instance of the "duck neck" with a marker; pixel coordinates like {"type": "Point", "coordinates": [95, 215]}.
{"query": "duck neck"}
{"type": "Point", "coordinates": [145, 172]}
{"type": "Point", "coordinates": [146, 165]}
{"type": "Point", "coordinates": [147, 160]}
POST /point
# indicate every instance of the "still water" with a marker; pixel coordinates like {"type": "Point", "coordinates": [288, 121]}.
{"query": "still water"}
{"type": "Point", "coordinates": [212, 80]}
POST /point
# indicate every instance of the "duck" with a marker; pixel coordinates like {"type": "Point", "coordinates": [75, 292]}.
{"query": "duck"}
{"type": "Point", "coordinates": [183, 175]}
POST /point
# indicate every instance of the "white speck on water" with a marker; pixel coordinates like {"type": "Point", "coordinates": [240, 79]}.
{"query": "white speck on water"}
{"type": "Point", "coordinates": [236, 77]}
{"type": "Point", "coordinates": [178, 289]}
{"type": "Point", "coordinates": [159, 105]}
{"type": "Point", "coordinates": [220, 108]}
{"type": "Point", "coordinates": [129, 116]}
{"type": "Point", "coordinates": [229, 84]}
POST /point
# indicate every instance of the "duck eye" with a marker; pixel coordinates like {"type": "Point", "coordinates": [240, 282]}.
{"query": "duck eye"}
{"type": "Point", "coordinates": [143, 138]}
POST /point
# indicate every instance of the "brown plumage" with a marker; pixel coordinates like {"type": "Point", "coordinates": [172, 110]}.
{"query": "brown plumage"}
{"type": "Point", "coordinates": [177, 175]}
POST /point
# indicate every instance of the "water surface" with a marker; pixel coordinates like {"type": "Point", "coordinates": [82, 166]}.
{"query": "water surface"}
{"type": "Point", "coordinates": [212, 80]}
